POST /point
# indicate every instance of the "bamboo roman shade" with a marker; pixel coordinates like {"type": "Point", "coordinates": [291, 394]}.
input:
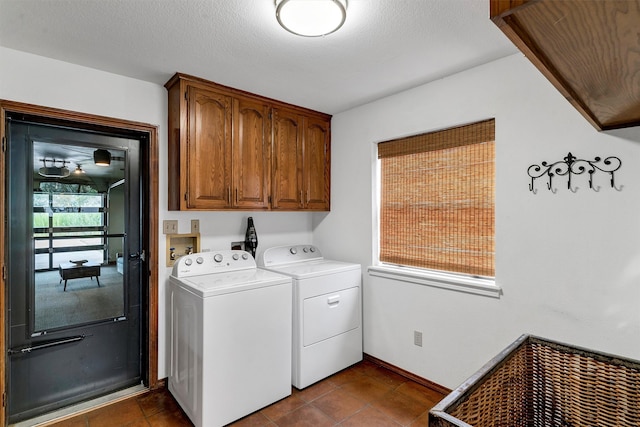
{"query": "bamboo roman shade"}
{"type": "Point", "coordinates": [437, 200]}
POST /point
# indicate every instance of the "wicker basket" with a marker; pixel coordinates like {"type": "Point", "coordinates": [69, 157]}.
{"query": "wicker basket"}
{"type": "Point", "coordinates": [535, 382]}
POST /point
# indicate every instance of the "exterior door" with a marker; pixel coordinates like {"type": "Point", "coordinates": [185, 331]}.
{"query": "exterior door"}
{"type": "Point", "coordinates": [74, 276]}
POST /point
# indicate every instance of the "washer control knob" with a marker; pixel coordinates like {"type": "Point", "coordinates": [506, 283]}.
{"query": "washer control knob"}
{"type": "Point", "coordinates": [188, 262]}
{"type": "Point", "coordinates": [199, 260]}
{"type": "Point", "coordinates": [305, 249]}
{"type": "Point", "coordinates": [293, 251]}
{"type": "Point", "coordinates": [235, 257]}
{"type": "Point", "coordinates": [217, 257]}
{"type": "Point", "coordinates": [245, 256]}
{"type": "Point", "coordinates": [312, 249]}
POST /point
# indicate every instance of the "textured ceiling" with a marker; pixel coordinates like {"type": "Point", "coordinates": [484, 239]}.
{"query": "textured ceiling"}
{"type": "Point", "coordinates": [384, 47]}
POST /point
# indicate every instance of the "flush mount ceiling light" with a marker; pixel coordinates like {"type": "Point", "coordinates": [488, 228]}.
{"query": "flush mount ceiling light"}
{"type": "Point", "coordinates": [102, 157]}
{"type": "Point", "coordinates": [54, 171]}
{"type": "Point", "coordinates": [78, 169]}
{"type": "Point", "coordinates": [311, 18]}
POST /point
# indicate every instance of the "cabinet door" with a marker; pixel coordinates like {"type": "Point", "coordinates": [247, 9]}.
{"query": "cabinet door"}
{"type": "Point", "coordinates": [317, 164]}
{"type": "Point", "coordinates": [209, 149]}
{"type": "Point", "coordinates": [287, 160]}
{"type": "Point", "coordinates": [251, 154]}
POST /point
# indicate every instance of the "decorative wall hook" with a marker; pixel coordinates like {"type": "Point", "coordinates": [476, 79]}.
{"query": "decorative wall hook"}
{"type": "Point", "coordinates": [570, 166]}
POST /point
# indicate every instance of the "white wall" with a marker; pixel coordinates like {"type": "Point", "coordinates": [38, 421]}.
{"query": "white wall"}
{"type": "Point", "coordinates": [41, 81]}
{"type": "Point", "coordinates": [568, 264]}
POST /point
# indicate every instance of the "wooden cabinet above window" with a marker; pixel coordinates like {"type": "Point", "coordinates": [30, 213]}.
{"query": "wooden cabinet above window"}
{"type": "Point", "coordinates": [230, 149]}
{"type": "Point", "coordinates": [589, 50]}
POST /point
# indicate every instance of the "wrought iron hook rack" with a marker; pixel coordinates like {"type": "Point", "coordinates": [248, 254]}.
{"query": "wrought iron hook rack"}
{"type": "Point", "coordinates": [570, 165]}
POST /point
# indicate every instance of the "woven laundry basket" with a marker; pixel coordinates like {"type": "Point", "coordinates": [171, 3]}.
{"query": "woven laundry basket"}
{"type": "Point", "coordinates": [540, 383]}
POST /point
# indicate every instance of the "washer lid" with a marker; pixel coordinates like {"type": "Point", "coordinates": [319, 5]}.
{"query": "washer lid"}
{"type": "Point", "coordinates": [303, 270]}
{"type": "Point", "coordinates": [208, 285]}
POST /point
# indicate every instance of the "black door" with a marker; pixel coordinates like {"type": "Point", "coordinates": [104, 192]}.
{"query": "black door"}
{"type": "Point", "coordinates": [74, 264]}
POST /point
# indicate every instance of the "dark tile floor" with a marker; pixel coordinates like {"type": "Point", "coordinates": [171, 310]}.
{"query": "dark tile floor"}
{"type": "Point", "coordinates": [363, 395]}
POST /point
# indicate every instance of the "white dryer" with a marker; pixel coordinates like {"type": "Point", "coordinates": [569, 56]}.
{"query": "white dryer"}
{"type": "Point", "coordinates": [327, 310]}
{"type": "Point", "coordinates": [230, 336]}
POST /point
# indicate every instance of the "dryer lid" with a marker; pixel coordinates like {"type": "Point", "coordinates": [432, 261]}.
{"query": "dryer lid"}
{"type": "Point", "coordinates": [313, 268]}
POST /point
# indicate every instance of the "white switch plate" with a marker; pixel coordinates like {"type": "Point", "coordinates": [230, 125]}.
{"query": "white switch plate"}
{"type": "Point", "coordinates": [195, 226]}
{"type": "Point", "coordinates": [417, 338]}
{"type": "Point", "coordinates": [170, 226]}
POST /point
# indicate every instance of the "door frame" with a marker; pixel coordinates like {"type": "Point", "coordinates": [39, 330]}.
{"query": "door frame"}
{"type": "Point", "coordinates": [150, 238]}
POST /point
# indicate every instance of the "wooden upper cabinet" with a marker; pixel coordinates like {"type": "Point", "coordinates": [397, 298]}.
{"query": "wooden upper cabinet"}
{"type": "Point", "coordinates": [588, 50]}
{"type": "Point", "coordinates": [209, 143]}
{"type": "Point", "coordinates": [251, 146]}
{"type": "Point", "coordinates": [316, 163]}
{"type": "Point", "coordinates": [302, 160]}
{"type": "Point", "coordinates": [230, 149]}
{"type": "Point", "coordinates": [287, 159]}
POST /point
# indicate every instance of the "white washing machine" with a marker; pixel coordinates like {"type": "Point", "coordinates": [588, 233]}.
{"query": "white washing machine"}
{"type": "Point", "coordinates": [327, 311]}
{"type": "Point", "coordinates": [230, 336]}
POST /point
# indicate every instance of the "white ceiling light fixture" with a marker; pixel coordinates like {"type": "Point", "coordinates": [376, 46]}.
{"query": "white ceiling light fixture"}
{"type": "Point", "coordinates": [311, 18]}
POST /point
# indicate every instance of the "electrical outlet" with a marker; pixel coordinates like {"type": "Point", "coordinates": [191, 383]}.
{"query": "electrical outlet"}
{"type": "Point", "coordinates": [195, 226]}
{"type": "Point", "coordinates": [170, 226]}
{"type": "Point", "coordinates": [417, 338]}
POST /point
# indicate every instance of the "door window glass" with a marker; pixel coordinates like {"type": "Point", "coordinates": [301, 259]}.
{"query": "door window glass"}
{"type": "Point", "coordinates": [79, 273]}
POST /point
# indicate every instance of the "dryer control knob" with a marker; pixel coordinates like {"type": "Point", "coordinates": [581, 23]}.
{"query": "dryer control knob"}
{"type": "Point", "coordinates": [293, 251]}
{"type": "Point", "coordinates": [312, 249]}
{"type": "Point", "coordinates": [188, 262]}
{"type": "Point", "coordinates": [245, 256]}
{"type": "Point", "coordinates": [199, 260]}
{"type": "Point", "coordinates": [217, 257]}
{"type": "Point", "coordinates": [235, 257]}
{"type": "Point", "coordinates": [305, 250]}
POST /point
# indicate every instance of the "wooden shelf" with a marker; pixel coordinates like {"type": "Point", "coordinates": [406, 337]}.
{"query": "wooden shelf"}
{"type": "Point", "coordinates": [589, 50]}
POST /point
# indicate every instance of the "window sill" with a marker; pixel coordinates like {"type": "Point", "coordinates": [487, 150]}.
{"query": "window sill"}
{"type": "Point", "coordinates": [467, 284]}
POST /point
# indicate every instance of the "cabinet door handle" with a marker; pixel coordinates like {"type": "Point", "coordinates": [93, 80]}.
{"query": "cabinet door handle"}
{"type": "Point", "coordinates": [228, 195]}
{"type": "Point", "coordinates": [236, 195]}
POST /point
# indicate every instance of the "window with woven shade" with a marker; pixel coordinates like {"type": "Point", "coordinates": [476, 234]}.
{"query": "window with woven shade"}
{"type": "Point", "coordinates": [437, 200]}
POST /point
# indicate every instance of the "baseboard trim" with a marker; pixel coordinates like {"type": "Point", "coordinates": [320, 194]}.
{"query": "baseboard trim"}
{"type": "Point", "coordinates": [413, 377]}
